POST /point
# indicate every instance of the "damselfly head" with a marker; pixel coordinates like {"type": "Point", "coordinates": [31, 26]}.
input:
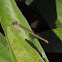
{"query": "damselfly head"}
{"type": "Point", "coordinates": [14, 22]}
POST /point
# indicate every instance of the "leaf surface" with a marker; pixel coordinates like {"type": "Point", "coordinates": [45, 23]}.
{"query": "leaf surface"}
{"type": "Point", "coordinates": [22, 50]}
{"type": "Point", "coordinates": [4, 51]}
{"type": "Point", "coordinates": [10, 13]}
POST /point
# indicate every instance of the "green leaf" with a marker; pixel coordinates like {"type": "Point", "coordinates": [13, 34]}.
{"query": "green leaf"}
{"type": "Point", "coordinates": [4, 51]}
{"type": "Point", "coordinates": [59, 13]}
{"type": "Point", "coordinates": [23, 51]}
{"type": "Point", "coordinates": [10, 13]}
{"type": "Point", "coordinates": [28, 2]}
